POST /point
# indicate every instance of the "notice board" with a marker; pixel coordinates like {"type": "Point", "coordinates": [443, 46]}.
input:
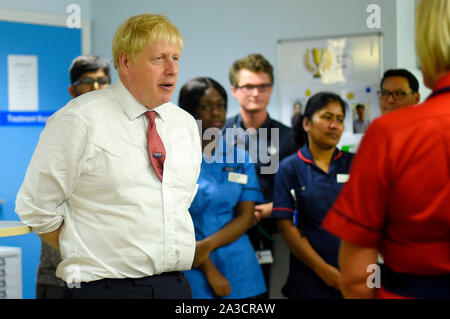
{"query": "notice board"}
{"type": "Point", "coordinates": [349, 66]}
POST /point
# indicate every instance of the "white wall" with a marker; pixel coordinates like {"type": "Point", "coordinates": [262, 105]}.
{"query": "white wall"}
{"type": "Point", "coordinates": [56, 7]}
{"type": "Point", "coordinates": [217, 32]}
{"type": "Point", "coordinates": [406, 50]}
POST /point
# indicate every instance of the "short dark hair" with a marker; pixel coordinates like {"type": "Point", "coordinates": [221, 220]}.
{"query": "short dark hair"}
{"type": "Point", "coordinates": [358, 106]}
{"type": "Point", "coordinates": [315, 103]}
{"type": "Point", "coordinates": [87, 63]}
{"type": "Point", "coordinates": [412, 80]}
{"type": "Point", "coordinates": [193, 90]}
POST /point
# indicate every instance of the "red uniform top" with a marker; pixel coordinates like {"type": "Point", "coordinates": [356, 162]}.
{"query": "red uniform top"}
{"type": "Point", "coordinates": [398, 196]}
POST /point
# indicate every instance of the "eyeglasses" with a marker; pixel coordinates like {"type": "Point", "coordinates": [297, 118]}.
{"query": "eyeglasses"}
{"type": "Point", "coordinates": [247, 89]}
{"type": "Point", "coordinates": [209, 108]}
{"type": "Point", "coordinates": [396, 95]}
{"type": "Point", "coordinates": [90, 81]}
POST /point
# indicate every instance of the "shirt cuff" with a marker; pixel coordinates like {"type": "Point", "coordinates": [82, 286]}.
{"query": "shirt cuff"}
{"type": "Point", "coordinates": [351, 230]}
{"type": "Point", "coordinates": [40, 220]}
{"type": "Point", "coordinates": [251, 194]}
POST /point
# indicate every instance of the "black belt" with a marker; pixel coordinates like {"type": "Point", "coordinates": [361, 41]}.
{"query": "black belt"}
{"type": "Point", "coordinates": [138, 282]}
{"type": "Point", "coordinates": [416, 286]}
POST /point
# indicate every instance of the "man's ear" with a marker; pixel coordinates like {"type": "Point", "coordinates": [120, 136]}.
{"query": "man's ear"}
{"type": "Point", "coordinates": [234, 91]}
{"type": "Point", "coordinates": [124, 61]}
{"type": "Point", "coordinates": [416, 97]}
{"type": "Point", "coordinates": [72, 91]}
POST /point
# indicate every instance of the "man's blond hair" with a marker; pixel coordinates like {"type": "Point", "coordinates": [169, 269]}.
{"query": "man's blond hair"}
{"type": "Point", "coordinates": [142, 30]}
{"type": "Point", "coordinates": [433, 36]}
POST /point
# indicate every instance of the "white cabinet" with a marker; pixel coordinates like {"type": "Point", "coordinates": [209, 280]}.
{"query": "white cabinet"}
{"type": "Point", "coordinates": [10, 272]}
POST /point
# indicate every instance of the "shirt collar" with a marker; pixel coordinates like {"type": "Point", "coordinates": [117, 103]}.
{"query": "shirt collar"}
{"type": "Point", "coordinates": [131, 106]}
{"type": "Point", "coordinates": [305, 154]}
{"type": "Point", "coordinates": [266, 123]}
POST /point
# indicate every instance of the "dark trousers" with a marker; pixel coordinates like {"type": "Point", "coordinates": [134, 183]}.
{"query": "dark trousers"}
{"type": "Point", "coordinates": [171, 285]}
{"type": "Point", "coordinates": [311, 288]}
{"type": "Point", "coordinates": [49, 291]}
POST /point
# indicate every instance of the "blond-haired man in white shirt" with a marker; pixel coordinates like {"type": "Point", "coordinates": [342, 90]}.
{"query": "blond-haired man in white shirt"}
{"type": "Point", "coordinates": [123, 229]}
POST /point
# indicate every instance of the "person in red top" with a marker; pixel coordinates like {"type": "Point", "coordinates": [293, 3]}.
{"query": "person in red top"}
{"type": "Point", "coordinates": [397, 200]}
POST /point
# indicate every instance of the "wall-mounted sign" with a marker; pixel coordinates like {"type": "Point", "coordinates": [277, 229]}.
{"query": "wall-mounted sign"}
{"type": "Point", "coordinates": [23, 92]}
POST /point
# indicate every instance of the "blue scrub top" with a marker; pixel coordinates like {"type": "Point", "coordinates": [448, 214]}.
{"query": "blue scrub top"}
{"type": "Point", "coordinates": [212, 208]}
{"type": "Point", "coordinates": [315, 192]}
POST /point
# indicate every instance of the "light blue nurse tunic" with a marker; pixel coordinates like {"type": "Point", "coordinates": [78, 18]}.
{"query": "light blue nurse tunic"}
{"type": "Point", "coordinates": [226, 179]}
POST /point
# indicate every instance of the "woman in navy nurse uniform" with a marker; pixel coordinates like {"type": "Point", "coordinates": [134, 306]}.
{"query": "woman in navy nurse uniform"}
{"type": "Point", "coordinates": [226, 265]}
{"type": "Point", "coordinates": [306, 185]}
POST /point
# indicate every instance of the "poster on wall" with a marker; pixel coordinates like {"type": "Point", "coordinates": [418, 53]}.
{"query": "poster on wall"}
{"type": "Point", "coordinates": [349, 66]}
{"type": "Point", "coordinates": [23, 82]}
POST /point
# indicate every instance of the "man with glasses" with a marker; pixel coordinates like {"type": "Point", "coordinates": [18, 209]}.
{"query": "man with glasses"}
{"type": "Point", "coordinates": [267, 140]}
{"type": "Point", "coordinates": [87, 73]}
{"type": "Point", "coordinates": [360, 124]}
{"type": "Point", "coordinates": [399, 88]}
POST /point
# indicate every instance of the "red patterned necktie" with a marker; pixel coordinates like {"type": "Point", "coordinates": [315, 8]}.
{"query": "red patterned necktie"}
{"type": "Point", "coordinates": [156, 150]}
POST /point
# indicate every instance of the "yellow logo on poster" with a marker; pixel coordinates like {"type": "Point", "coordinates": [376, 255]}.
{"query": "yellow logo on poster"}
{"type": "Point", "coordinates": [322, 59]}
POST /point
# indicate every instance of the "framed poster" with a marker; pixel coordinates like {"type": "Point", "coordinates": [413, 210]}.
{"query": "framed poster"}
{"type": "Point", "coordinates": [348, 65]}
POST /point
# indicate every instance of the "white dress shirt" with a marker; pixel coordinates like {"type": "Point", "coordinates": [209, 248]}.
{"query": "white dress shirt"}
{"type": "Point", "coordinates": [91, 175]}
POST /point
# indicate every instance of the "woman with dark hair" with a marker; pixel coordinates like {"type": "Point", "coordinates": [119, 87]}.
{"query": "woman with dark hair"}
{"type": "Point", "coordinates": [306, 185]}
{"type": "Point", "coordinates": [225, 262]}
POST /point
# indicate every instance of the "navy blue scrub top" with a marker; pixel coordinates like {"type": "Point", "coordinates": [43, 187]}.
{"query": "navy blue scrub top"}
{"type": "Point", "coordinates": [315, 192]}
{"type": "Point", "coordinates": [213, 208]}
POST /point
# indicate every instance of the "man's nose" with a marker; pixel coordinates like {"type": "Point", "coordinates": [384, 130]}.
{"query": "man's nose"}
{"type": "Point", "coordinates": [171, 67]}
{"type": "Point", "coordinates": [390, 98]}
{"type": "Point", "coordinates": [255, 91]}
